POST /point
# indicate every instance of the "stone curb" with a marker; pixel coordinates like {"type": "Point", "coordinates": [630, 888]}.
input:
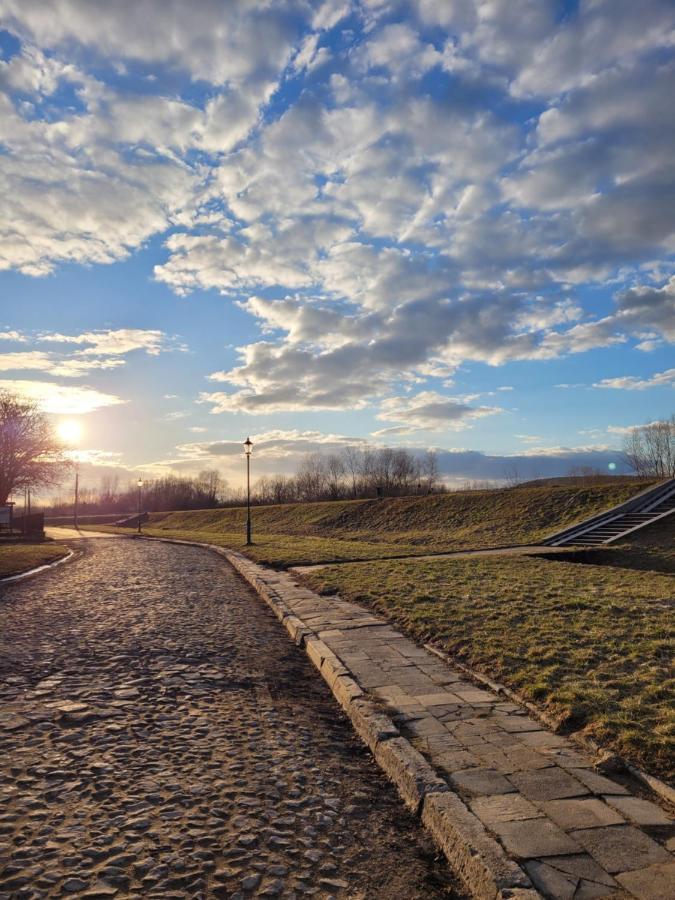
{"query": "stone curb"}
{"type": "Point", "coordinates": [485, 868]}
{"type": "Point", "coordinates": [8, 579]}
{"type": "Point", "coordinates": [487, 872]}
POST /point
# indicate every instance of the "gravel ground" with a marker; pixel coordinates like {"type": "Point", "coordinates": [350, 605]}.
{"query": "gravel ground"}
{"type": "Point", "coordinates": [161, 737]}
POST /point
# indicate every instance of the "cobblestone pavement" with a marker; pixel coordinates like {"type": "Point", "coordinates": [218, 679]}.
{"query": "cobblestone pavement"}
{"type": "Point", "coordinates": [160, 736]}
{"type": "Point", "coordinates": [577, 833]}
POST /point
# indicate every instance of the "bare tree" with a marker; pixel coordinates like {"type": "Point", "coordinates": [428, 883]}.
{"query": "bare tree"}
{"type": "Point", "coordinates": [281, 489]}
{"type": "Point", "coordinates": [30, 454]}
{"type": "Point", "coordinates": [311, 478]}
{"type": "Point", "coordinates": [353, 463]}
{"type": "Point", "coordinates": [334, 471]}
{"type": "Point", "coordinates": [429, 470]}
{"type": "Point", "coordinates": [512, 475]}
{"type": "Point", "coordinates": [649, 450]}
{"type": "Point", "coordinates": [212, 485]}
{"type": "Point", "coordinates": [109, 490]}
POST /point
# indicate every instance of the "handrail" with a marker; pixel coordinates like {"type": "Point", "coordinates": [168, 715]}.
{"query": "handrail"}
{"type": "Point", "coordinates": [627, 506]}
{"type": "Point", "coordinates": [668, 512]}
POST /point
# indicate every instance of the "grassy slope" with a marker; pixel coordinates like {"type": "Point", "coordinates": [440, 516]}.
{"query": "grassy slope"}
{"type": "Point", "coordinates": [295, 534]}
{"type": "Point", "coordinates": [593, 644]}
{"type": "Point", "coordinates": [16, 558]}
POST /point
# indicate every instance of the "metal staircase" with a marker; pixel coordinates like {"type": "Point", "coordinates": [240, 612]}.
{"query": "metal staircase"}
{"type": "Point", "coordinates": [649, 506]}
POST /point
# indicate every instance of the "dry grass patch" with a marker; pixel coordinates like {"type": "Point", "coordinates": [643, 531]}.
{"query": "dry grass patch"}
{"type": "Point", "coordinates": [17, 558]}
{"type": "Point", "coordinates": [591, 644]}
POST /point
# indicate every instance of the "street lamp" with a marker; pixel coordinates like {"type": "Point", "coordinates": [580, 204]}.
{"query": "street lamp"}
{"type": "Point", "coordinates": [248, 446]}
{"type": "Point", "coordinates": [140, 486]}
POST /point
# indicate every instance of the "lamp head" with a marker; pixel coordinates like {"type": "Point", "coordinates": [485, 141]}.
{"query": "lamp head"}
{"type": "Point", "coordinates": [140, 482]}
{"type": "Point", "coordinates": [248, 446]}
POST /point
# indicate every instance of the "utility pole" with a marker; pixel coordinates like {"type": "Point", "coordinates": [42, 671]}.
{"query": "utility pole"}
{"type": "Point", "coordinates": [77, 495]}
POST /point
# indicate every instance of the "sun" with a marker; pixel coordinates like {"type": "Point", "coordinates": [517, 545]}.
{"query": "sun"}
{"type": "Point", "coordinates": [69, 431]}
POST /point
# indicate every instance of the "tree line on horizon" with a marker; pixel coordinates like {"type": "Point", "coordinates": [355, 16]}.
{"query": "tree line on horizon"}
{"type": "Point", "coordinates": [32, 458]}
{"type": "Point", "coordinates": [354, 473]}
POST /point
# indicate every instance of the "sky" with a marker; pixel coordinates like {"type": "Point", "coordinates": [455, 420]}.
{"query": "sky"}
{"type": "Point", "coordinates": [427, 224]}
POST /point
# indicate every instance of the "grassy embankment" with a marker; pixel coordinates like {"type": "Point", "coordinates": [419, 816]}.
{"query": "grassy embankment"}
{"type": "Point", "coordinates": [17, 558]}
{"type": "Point", "coordinates": [591, 644]}
{"type": "Point", "coordinates": [297, 534]}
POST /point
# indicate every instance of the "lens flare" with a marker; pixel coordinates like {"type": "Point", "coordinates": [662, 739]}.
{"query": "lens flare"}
{"type": "Point", "coordinates": [69, 431]}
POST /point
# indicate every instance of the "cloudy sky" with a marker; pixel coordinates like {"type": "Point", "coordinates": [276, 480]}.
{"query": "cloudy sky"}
{"type": "Point", "coordinates": [445, 224]}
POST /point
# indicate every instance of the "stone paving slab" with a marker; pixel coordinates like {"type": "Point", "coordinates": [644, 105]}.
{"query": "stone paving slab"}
{"type": "Point", "coordinates": [500, 792]}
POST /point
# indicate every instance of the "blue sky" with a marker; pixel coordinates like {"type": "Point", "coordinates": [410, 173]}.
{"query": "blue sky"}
{"type": "Point", "coordinates": [420, 224]}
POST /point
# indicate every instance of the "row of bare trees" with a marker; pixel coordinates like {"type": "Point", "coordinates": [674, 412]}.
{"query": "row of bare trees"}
{"type": "Point", "coordinates": [206, 491]}
{"type": "Point", "coordinates": [649, 450]}
{"type": "Point", "coordinates": [356, 472]}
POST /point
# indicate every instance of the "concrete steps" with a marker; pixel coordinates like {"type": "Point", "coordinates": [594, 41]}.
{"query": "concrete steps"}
{"type": "Point", "coordinates": [650, 506]}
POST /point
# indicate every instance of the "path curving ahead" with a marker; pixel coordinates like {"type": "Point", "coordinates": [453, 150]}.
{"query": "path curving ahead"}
{"type": "Point", "coordinates": [161, 737]}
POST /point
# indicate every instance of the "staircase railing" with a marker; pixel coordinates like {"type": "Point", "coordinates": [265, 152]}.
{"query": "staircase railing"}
{"type": "Point", "coordinates": [632, 505]}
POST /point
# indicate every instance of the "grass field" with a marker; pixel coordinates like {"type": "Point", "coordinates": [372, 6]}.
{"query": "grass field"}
{"type": "Point", "coordinates": [590, 644]}
{"type": "Point", "coordinates": [16, 558]}
{"type": "Point", "coordinates": [297, 534]}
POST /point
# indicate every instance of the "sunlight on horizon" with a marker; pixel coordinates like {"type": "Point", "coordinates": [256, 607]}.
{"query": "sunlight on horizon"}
{"type": "Point", "coordinates": [70, 431]}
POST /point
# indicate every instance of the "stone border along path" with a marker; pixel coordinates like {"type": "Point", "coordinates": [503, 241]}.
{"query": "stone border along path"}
{"type": "Point", "coordinates": [518, 811]}
{"type": "Point", "coordinates": [28, 573]}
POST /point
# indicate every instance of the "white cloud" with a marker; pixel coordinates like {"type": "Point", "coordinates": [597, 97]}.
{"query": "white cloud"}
{"type": "Point", "coordinates": [114, 342]}
{"type": "Point", "coordinates": [633, 383]}
{"type": "Point", "coordinates": [398, 48]}
{"type": "Point", "coordinates": [430, 411]}
{"type": "Point", "coordinates": [625, 429]}
{"type": "Point", "coordinates": [61, 399]}
{"type": "Point", "coordinates": [14, 336]}
{"type": "Point", "coordinates": [68, 367]}
{"type": "Point", "coordinates": [101, 350]}
{"type": "Point", "coordinates": [272, 444]}
{"type": "Point", "coordinates": [252, 40]}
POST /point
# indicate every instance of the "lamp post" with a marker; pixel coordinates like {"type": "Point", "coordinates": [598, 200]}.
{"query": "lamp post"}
{"type": "Point", "coordinates": [77, 494]}
{"type": "Point", "coordinates": [248, 446]}
{"type": "Point", "coordinates": [140, 487]}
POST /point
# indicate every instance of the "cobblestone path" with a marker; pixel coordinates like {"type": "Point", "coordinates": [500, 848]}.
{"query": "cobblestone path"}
{"type": "Point", "coordinates": [161, 737]}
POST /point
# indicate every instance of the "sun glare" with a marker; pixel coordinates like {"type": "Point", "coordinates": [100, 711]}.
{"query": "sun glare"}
{"type": "Point", "coordinates": [69, 431]}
